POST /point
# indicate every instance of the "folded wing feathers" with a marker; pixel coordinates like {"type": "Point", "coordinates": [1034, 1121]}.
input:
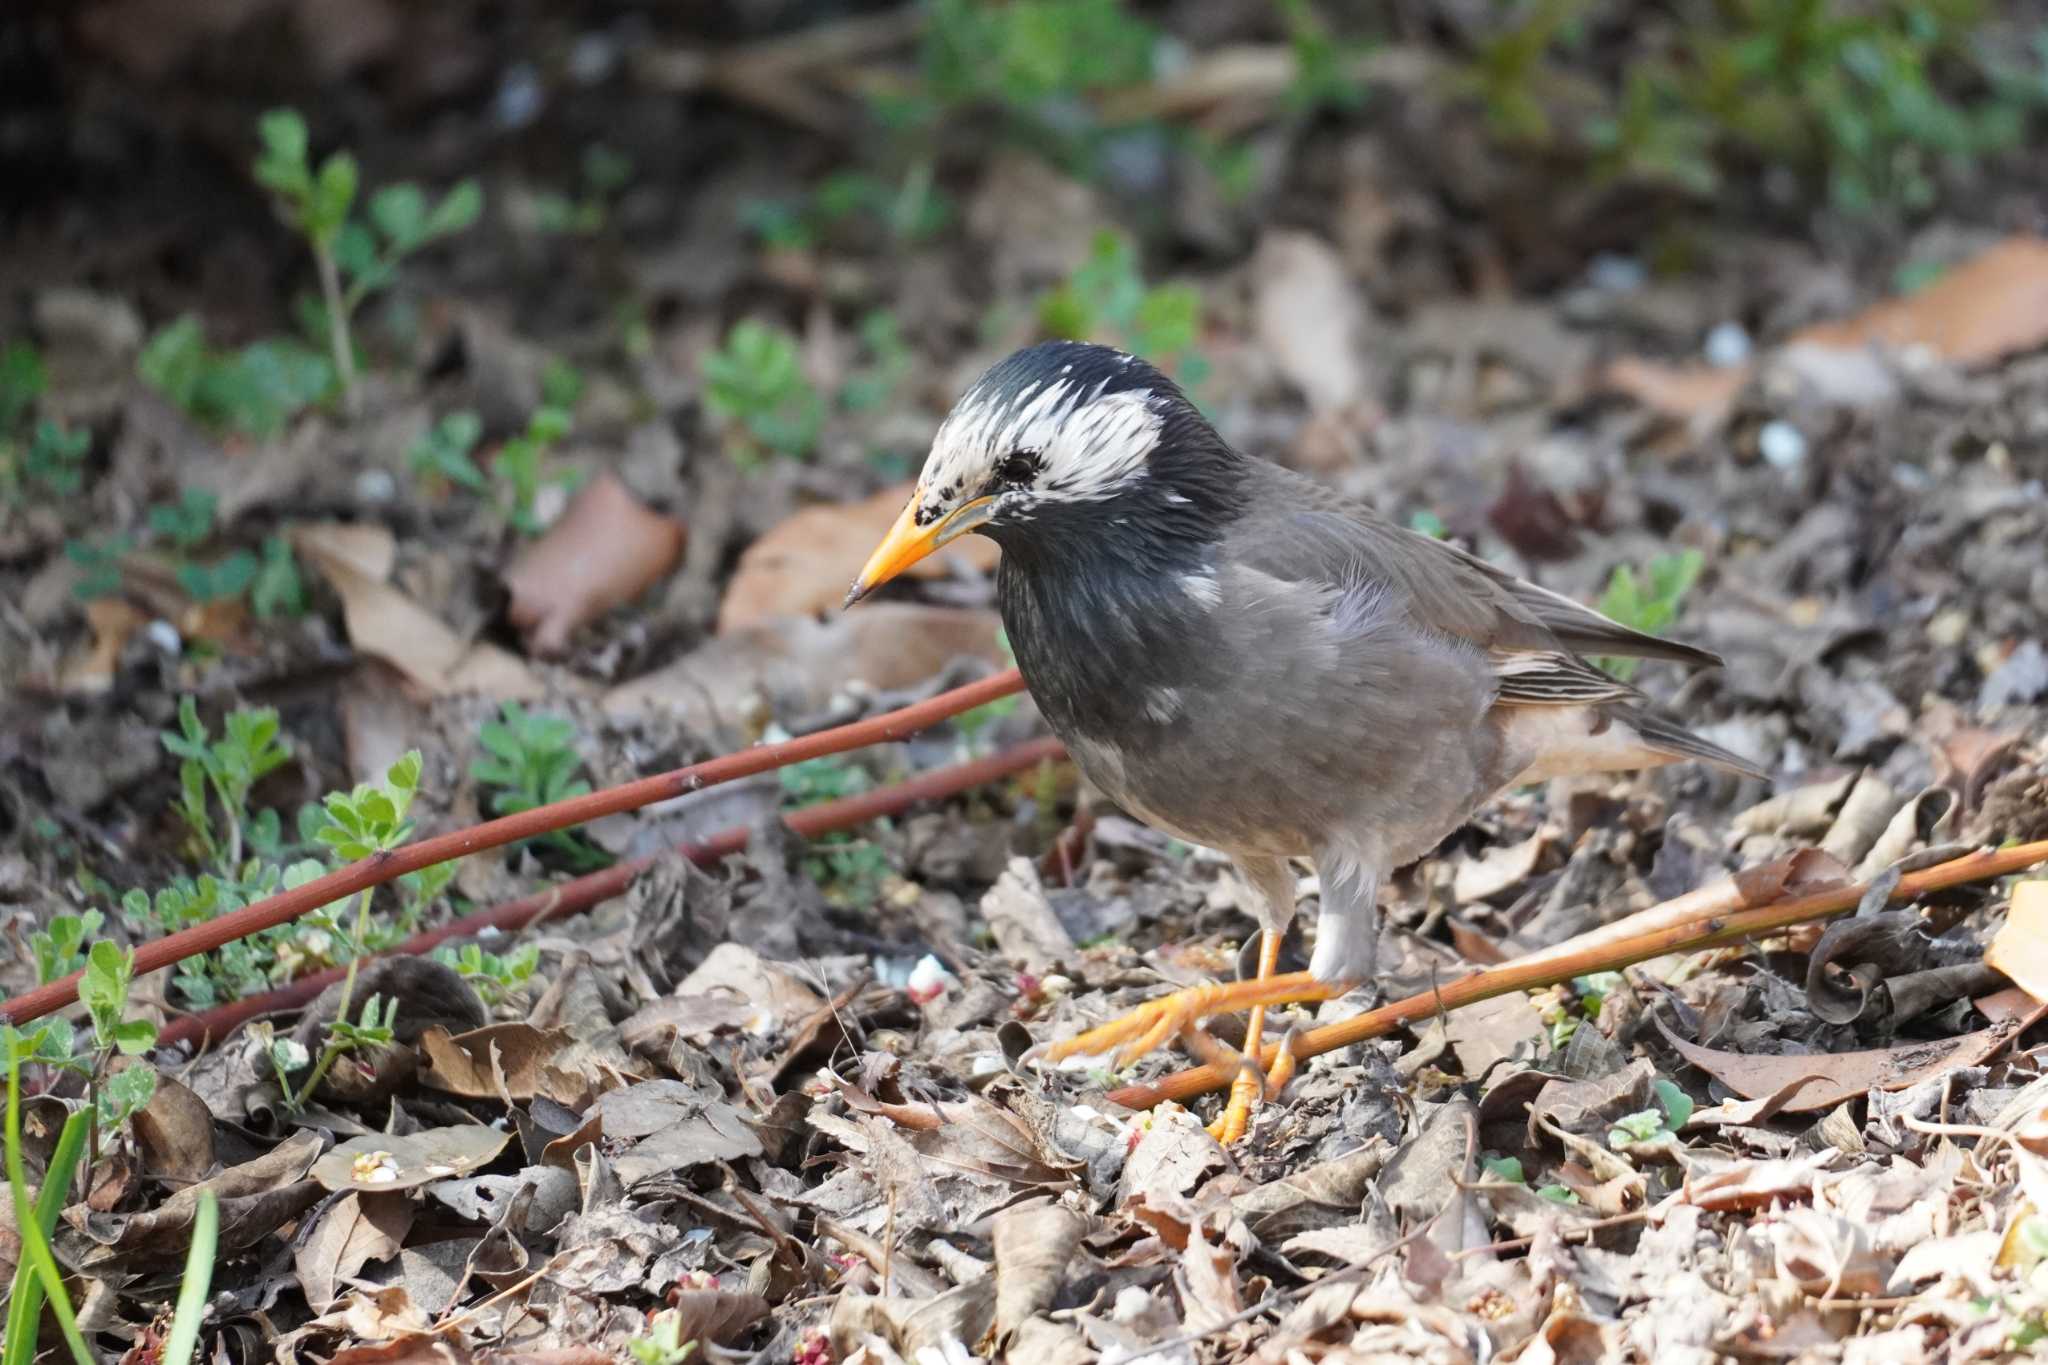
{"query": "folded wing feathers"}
{"type": "Point", "coordinates": [1533, 678]}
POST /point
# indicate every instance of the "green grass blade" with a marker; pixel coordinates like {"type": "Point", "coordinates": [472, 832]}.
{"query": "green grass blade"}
{"type": "Point", "coordinates": [26, 1301]}
{"type": "Point", "coordinates": [184, 1336]}
{"type": "Point", "coordinates": [35, 1248]}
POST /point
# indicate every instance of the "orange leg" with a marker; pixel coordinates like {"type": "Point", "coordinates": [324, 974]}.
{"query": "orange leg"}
{"type": "Point", "coordinates": [1249, 1087]}
{"type": "Point", "coordinates": [1133, 1035]}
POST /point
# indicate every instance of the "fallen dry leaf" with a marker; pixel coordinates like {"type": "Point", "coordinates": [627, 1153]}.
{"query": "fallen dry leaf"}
{"type": "Point", "coordinates": [605, 549]}
{"type": "Point", "coordinates": [175, 1133]}
{"type": "Point", "coordinates": [1309, 318]}
{"type": "Point", "coordinates": [386, 624]}
{"type": "Point", "coordinates": [1694, 392]}
{"type": "Point", "coordinates": [793, 664]}
{"type": "Point", "coordinates": [388, 1161]}
{"type": "Point", "coordinates": [92, 668]}
{"type": "Point", "coordinates": [2020, 947]}
{"type": "Point", "coordinates": [1754, 1184]}
{"type": "Point", "coordinates": [256, 1198]}
{"type": "Point", "coordinates": [353, 1231]}
{"type": "Point", "coordinates": [498, 1061]}
{"type": "Point", "coordinates": [1991, 306]}
{"type": "Point", "coordinates": [1022, 921]}
{"type": "Point", "coordinates": [1832, 1077]}
{"type": "Point", "coordinates": [802, 567]}
{"type": "Point", "coordinates": [1035, 1244]}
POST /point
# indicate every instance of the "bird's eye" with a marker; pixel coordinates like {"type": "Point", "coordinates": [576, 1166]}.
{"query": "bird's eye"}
{"type": "Point", "coordinates": [1018, 468]}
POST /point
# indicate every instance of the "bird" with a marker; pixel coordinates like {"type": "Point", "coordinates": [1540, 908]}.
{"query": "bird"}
{"type": "Point", "coordinates": [1249, 661]}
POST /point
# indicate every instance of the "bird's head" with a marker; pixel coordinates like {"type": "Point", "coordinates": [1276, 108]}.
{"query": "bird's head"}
{"type": "Point", "coordinates": [1062, 439]}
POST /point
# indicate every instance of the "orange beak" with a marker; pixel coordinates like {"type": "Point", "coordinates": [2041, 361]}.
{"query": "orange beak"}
{"type": "Point", "coordinates": [907, 542]}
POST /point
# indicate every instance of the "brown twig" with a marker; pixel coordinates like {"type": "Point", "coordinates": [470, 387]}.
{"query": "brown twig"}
{"type": "Point", "coordinates": [395, 863]}
{"type": "Point", "coordinates": [1557, 966]}
{"type": "Point", "coordinates": [575, 897]}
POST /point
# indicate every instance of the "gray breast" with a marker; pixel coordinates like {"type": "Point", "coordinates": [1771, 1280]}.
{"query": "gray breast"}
{"type": "Point", "coordinates": [1289, 716]}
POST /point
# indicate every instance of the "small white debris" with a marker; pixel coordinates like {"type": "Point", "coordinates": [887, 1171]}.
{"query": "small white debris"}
{"type": "Point", "coordinates": [987, 1064]}
{"type": "Point", "coordinates": [594, 57]}
{"type": "Point", "coordinates": [1728, 345]}
{"type": "Point", "coordinates": [929, 980]}
{"type": "Point", "coordinates": [165, 637]}
{"type": "Point", "coordinates": [376, 486]}
{"type": "Point", "coordinates": [1782, 444]}
{"type": "Point", "coordinates": [1617, 274]}
{"type": "Point", "coordinates": [519, 98]}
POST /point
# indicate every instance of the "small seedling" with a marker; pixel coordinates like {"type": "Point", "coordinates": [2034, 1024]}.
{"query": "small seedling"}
{"type": "Point", "coordinates": [519, 467]}
{"type": "Point", "coordinates": [254, 392]}
{"type": "Point", "coordinates": [101, 565]}
{"type": "Point", "coordinates": [605, 173]}
{"type": "Point", "coordinates": [662, 1343]}
{"type": "Point", "coordinates": [888, 363]}
{"type": "Point", "coordinates": [1107, 299]}
{"type": "Point", "coordinates": [755, 383]}
{"type": "Point", "coordinates": [1647, 1126]}
{"type": "Point", "coordinates": [279, 589]}
{"type": "Point", "coordinates": [60, 948]}
{"type": "Point", "coordinates": [226, 769]}
{"type": "Point", "coordinates": [444, 452]}
{"type": "Point", "coordinates": [109, 969]}
{"type": "Point", "coordinates": [368, 820]}
{"type": "Point", "coordinates": [495, 978]}
{"type": "Point", "coordinates": [530, 760]}
{"type": "Point", "coordinates": [850, 870]}
{"type": "Point", "coordinates": [23, 380]}
{"type": "Point", "coordinates": [354, 258]}
{"type": "Point", "coordinates": [53, 460]}
{"type": "Point", "coordinates": [1428, 523]}
{"type": "Point", "coordinates": [1648, 607]}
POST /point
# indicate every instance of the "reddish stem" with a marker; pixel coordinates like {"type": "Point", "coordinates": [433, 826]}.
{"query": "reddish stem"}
{"type": "Point", "coordinates": [575, 897]}
{"type": "Point", "coordinates": [387, 866]}
{"type": "Point", "coordinates": [1551, 969]}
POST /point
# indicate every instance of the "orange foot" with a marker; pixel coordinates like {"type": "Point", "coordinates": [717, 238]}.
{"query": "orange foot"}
{"type": "Point", "coordinates": [1133, 1035]}
{"type": "Point", "coordinates": [1250, 1087]}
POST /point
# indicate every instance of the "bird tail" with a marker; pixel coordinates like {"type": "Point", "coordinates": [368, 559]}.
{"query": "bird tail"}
{"type": "Point", "coordinates": [1664, 737]}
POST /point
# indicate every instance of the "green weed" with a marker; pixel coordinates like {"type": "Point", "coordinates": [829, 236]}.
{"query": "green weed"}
{"type": "Point", "coordinates": [755, 383]}
{"type": "Point", "coordinates": [1649, 604]}
{"type": "Point", "coordinates": [59, 947]}
{"type": "Point", "coordinates": [255, 391]}
{"type": "Point", "coordinates": [850, 870]}
{"type": "Point", "coordinates": [444, 452]}
{"type": "Point", "coordinates": [495, 978]}
{"type": "Point", "coordinates": [530, 760]}
{"type": "Point", "coordinates": [1645, 1126]}
{"type": "Point", "coordinates": [1107, 299]}
{"type": "Point", "coordinates": [354, 257]}
{"type": "Point", "coordinates": [605, 173]}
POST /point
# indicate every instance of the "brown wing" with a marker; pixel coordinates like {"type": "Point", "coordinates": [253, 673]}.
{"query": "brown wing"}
{"type": "Point", "coordinates": [1305, 532]}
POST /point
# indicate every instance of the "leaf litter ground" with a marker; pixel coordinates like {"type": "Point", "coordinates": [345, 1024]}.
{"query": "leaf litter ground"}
{"type": "Point", "coordinates": [781, 1096]}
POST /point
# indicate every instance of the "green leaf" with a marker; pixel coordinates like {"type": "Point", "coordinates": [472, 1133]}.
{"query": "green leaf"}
{"type": "Point", "coordinates": [125, 1093]}
{"type": "Point", "coordinates": [173, 360]}
{"type": "Point", "coordinates": [22, 382]}
{"type": "Point", "coordinates": [1641, 1126]}
{"type": "Point", "coordinates": [282, 164]}
{"type": "Point", "coordinates": [1558, 1194]}
{"type": "Point", "coordinates": [457, 211]}
{"type": "Point", "coordinates": [400, 213]}
{"type": "Point", "coordinates": [1506, 1168]}
{"type": "Point", "coordinates": [404, 775]}
{"type": "Point", "coordinates": [134, 1036]}
{"type": "Point", "coordinates": [334, 194]}
{"type": "Point", "coordinates": [1677, 1104]}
